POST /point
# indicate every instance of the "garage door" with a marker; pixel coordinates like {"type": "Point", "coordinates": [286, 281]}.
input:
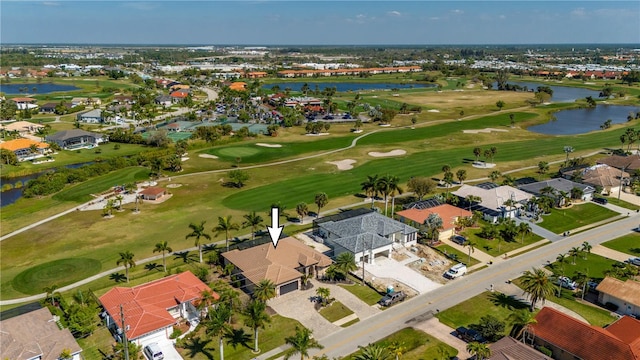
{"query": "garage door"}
{"type": "Point", "coordinates": [284, 289]}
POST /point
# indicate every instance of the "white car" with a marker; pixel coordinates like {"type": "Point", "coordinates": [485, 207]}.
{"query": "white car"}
{"type": "Point", "coordinates": [634, 261]}
{"type": "Point", "coordinates": [456, 271]}
{"type": "Point", "coordinates": [567, 283]}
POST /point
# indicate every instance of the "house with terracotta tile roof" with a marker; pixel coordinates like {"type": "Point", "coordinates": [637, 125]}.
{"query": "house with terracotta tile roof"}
{"type": "Point", "coordinates": [570, 339]}
{"type": "Point", "coordinates": [36, 335]}
{"type": "Point", "coordinates": [26, 149]}
{"type": "Point", "coordinates": [604, 176]}
{"type": "Point", "coordinates": [284, 265]}
{"type": "Point", "coordinates": [448, 213]}
{"type": "Point", "coordinates": [238, 86]}
{"type": "Point", "coordinates": [151, 309]}
{"type": "Point", "coordinates": [153, 193]}
{"type": "Point", "coordinates": [624, 294]}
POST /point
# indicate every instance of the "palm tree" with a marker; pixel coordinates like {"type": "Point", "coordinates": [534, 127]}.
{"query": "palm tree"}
{"type": "Point", "coordinates": [574, 252]}
{"type": "Point", "coordinates": [524, 229]}
{"type": "Point", "coordinates": [461, 175]}
{"type": "Point", "coordinates": [494, 175]}
{"type": "Point", "coordinates": [51, 290]}
{"type": "Point", "coordinates": [433, 222]}
{"type": "Point", "coordinates": [384, 187]}
{"type": "Point", "coordinates": [477, 152]}
{"type": "Point", "coordinates": [206, 300]}
{"type": "Point", "coordinates": [394, 187]}
{"type": "Point", "coordinates": [256, 318]}
{"type": "Point", "coordinates": [373, 352]}
{"type": "Point", "coordinates": [586, 249]}
{"type": "Point", "coordinates": [252, 220]}
{"type": "Point", "coordinates": [538, 285]}
{"type": "Point", "coordinates": [302, 209]}
{"type": "Point", "coordinates": [300, 343]}
{"type": "Point", "coordinates": [522, 321]}
{"type": "Point", "coordinates": [543, 167]}
{"type": "Point", "coordinates": [197, 231]}
{"type": "Point", "coordinates": [163, 247]}
{"type": "Point", "coordinates": [126, 258]}
{"type": "Point", "coordinates": [473, 199]}
{"type": "Point", "coordinates": [225, 225]}
{"type": "Point", "coordinates": [264, 290]}
{"type": "Point", "coordinates": [218, 325]}
{"type": "Point", "coordinates": [397, 349]}
{"type": "Point", "coordinates": [321, 200]}
{"type": "Point", "coordinates": [582, 278]}
{"type": "Point", "coordinates": [119, 199]}
{"type": "Point", "coordinates": [370, 187]}
{"type": "Point", "coordinates": [324, 294]}
{"type": "Point", "coordinates": [481, 351]}
{"type": "Point", "coordinates": [568, 150]}
{"type": "Point", "coordinates": [346, 262]}
{"type": "Point", "coordinates": [472, 248]}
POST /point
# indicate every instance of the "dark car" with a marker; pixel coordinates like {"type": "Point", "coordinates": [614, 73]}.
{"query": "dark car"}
{"type": "Point", "coordinates": [458, 239]}
{"type": "Point", "coordinates": [469, 335]}
{"type": "Point", "coordinates": [328, 117]}
{"type": "Point", "coordinates": [392, 298]}
{"type": "Point", "coordinates": [600, 200]}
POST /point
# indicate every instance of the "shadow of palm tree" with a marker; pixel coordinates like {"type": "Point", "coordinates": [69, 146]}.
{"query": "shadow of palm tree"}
{"type": "Point", "coordinates": [186, 256]}
{"type": "Point", "coordinates": [153, 266]}
{"type": "Point", "coordinates": [197, 346]}
{"type": "Point", "coordinates": [238, 337]}
{"type": "Point", "coordinates": [508, 301]}
{"type": "Point", "coordinates": [118, 277]}
{"type": "Point", "coordinates": [208, 247]}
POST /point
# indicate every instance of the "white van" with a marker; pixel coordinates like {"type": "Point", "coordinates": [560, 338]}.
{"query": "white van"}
{"type": "Point", "coordinates": [153, 352]}
{"type": "Point", "coordinates": [456, 270]}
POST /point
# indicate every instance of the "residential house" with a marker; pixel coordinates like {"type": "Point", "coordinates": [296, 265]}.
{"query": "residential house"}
{"type": "Point", "coordinates": [284, 265]}
{"type": "Point", "coordinates": [76, 138]}
{"type": "Point", "coordinates": [448, 213]}
{"type": "Point", "coordinates": [494, 200]}
{"type": "Point", "coordinates": [624, 163]}
{"type": "Point", "coordinates": [153, 193]}
{"type": "Point", "coordinates": [50, 108]}
{"type": "Point", "coordinates": [238, 86]}
{"type": "Point", "coordinates": [366, 234]}
{"type": "Point", "coordinates": [22, 127]}
{"type": "Point", "coordinates": [177, 126]}
{"type": "Point", "coordinates": [150, 310]}
{"type": "Point", "coordinates": [602, 176]}
{"type": "Point", "coordinates": [164, 100]}
{"type": "Point", "coordinates": [509, 348]}
{"type": "Point", "coordinates": [624, 294]}
{"type": "Point", "coordinates": [256, 74]}
{"type": "Point", "coordinates": [559, 186]}
{"type": "Point", "coordinates": [92, 116]}
{"type": "Point", "coordinates": [179, 95]}
{"type": "Point", "coordinates": [570, 339]}
{"type": "Point", "coordinates": [36, 335]}
{"type": "Point", "coordinates": [26, 149]}
{"type": "Point", "coordinates": [123, 99]}
{"type": "Point", "coordinates": [25, 103]}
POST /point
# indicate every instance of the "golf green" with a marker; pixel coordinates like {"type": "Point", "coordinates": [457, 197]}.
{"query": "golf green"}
{"type": "Point", "coordinates": [239, 151]}
{"type": "Point", "coordinates": [59, 272]}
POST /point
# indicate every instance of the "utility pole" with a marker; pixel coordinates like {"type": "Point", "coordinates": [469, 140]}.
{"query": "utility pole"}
{"type": "Point", "coordinates": [125, 343]}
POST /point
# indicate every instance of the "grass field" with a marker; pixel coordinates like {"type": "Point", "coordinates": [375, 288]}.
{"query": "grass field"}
{"type": "Point", "coordinates": [629, 244]}
{"type": "Point", "coordinates": [363, 292]}
{"type": "Point", "coordinates": [561, 220]}
{"type": "Point", "coordinates": [335, 311]}
{"type": "Point", "coordinates": [591, 264]}
{"type": "Point", "coordinates": [493, 248]}
{"type": "Point", "coordinates": [82, 192]}
{"type": "Point", "coordinates": [59, 272]}
{"type": "Point", "coordinates": [418, 346]}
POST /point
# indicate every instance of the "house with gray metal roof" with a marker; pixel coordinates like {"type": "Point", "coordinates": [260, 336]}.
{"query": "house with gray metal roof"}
{"type": "Point", "coordinates": [76, 139]}
{"type": "Point", "coordinates": [365, 235]}
{"type": "Point", "coordinates": [92, 117]}
{"type": "Point", "coordinates": [559, 186]}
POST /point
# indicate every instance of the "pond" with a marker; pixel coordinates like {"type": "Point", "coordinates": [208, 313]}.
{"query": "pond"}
{"type": "Point", "coordinates": [44, 88]}
{"type": "Point", "coordinates": [560, 93]}
{"type": "Point", "coordinates": [346, 86]}
{"type": "Point", "coordinates": [580, 121]}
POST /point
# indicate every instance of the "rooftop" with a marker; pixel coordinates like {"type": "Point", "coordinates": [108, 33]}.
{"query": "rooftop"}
{"type": "Point", "coordinates": [18, 144]}
{"type": "Point", "coordinates": [629, 290]}
{"type": "Point", "coordinates": [448, 213]}
{"type": "Point", "coordinates": [494, 198]}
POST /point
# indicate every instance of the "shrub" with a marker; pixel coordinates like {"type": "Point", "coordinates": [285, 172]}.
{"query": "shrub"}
{"type": "Point", "coordinates": [544, 350]}
{"type": "Point", "coordinates": [175, 334]}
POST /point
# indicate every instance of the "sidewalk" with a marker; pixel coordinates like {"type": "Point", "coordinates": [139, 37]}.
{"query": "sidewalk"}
{"type": "Point", "coordinates": [610, 253]}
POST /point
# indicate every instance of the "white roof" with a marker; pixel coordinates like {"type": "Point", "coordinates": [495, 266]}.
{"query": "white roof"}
{"type": "Point", "coordinates": [493, 198]}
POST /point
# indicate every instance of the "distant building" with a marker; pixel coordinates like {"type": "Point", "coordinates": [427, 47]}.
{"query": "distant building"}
{"type": "Point", "coordinates": [76, 139]}
{"type": "Point", "coordinates": [91, 117]}
{"type": "Point", "coordinates": [26, 149]}
{"type": "Point", "coordinates": [494, 200]}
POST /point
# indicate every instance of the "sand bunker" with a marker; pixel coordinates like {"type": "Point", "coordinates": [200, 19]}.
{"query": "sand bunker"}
{"type": "Point", "coordinates": [485, 130]}
{"type": "Point", "coordinates": [483, 165]}
{"type": "Point", "coordinates": [433, 111]}
{"type": "Point", "coordinates": [346, 164]}
{"type": "Point", "coordinates": [269, 145]}
{"type": "Point", "coordinates": [173, 186]}
{"type": "Point", "coordinates": [396, 152]}
{"type": "Point", "coordinates": [208, 156]}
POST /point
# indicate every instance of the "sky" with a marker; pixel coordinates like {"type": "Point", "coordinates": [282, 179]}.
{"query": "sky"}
{"type": "Point", "coordinates": [322, 22]}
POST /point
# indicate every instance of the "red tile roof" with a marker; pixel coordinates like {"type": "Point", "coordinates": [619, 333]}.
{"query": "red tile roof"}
{"type": "Point", "coordinates": [19, 144]}
{"type": "Point", "coordinates": [448, 214]}
{"type": "Point", "coordinates": [627, 329]}
{"type": "Point", "coordinates": [23, 99]}
{"type": "Point", "coordinates": [153, 191]}
{"type": "Point", "coordinates": [585, 341]}
{"type": "Point", "coordinates": [145, 306]}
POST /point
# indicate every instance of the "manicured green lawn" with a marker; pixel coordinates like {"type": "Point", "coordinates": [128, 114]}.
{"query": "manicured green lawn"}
{"type": "Point", "coordinates": [629, 244]}
{"type": "Point", "coordinates": [363, 292]}
{"type": "Point", "coordinates": [459, 255]}
{"type": "Point", "coordinates": [82, 192]}
{"type": "Point", "coordinates": [614, 200]}
{"type": "Point", "coordinates": [335, 311]}
{"type": "Point", "coordinates": [100, 340]}
{"type": "Point", "coordinates": [561, 220]}
{"type": "Point", "coordinates": [594, 315]}
{"type": "Point", "coordinates": [60, 273]}
{"type": "Point", "coordinates": [495, 248]}
{"type": "Point", "coordinates": [594, 266]}
{"type": "Point", "coordinates": [418, 345]}
{"type": "Point", "coordinates": [488, 303]}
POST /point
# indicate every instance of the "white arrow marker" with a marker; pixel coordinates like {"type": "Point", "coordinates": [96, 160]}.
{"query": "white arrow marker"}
{"type": "Point", "coordinates": [275, 229]}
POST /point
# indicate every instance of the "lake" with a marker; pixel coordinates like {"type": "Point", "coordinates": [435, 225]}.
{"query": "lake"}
{"type": "Point", "coordinates": [344, 86]}
{"type": "Point", "coordinates": [580, 121]}
{"type": "Point", "coordinates": [560, 93]}
{"type": "Point", "coordinates": [44, 88]}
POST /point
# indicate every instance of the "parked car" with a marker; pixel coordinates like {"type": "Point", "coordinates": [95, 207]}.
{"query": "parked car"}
{"type": "Point", "coordinates": [458, 239]}
{"type": "Point", "coordinates": [456, 271]}
{"type": "Point", "coordinates": [634, 261]}
{"type": "Point", "coordinates": [328, 117]}
{"type": "Point", "coordinates": [392, 298]}
{"type": "Point", "coordinates": [567, 283]}
{"type": "Point", "coordinates": [469, 335]}
{"type": "Point", "coordinates": [600, 200]}
{"type": "Point", "coordinates": [153, 352]}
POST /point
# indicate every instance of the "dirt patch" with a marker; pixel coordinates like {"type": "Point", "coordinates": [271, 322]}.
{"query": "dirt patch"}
{"type": "Point", "coordinates": [432, 264]}
{"type": "Point", "coordinates": [346, 164]}
{"type": "Point", "coordinates": [208, 156]}
{"type": "Point", "coordinates": [485, 130]}
{"type": "Point", "coordinates": [172, 186]}
{"type": "Point", "coordinates": [396, 152]}
{"type": "Point", "coordinates": [269, 145]}
{"type": "Point", "coordinates": [483, 165]}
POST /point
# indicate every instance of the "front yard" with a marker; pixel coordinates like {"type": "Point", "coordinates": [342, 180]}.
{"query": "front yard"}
{"type": "Point", "coordinates": [492, 247]}
{"type": "Point", "coordinates": [362, 292]}
{"type": "Point", "coordinates": [417, 345]}
{"type": "Point", "coordinates": [335, 311]}
{"type": "Point", "coordinates": [628, 244]}
{"type": "Point", "coordinates": [561, 220]}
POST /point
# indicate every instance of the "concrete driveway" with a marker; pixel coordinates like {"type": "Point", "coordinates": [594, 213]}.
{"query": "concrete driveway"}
{"type": "Point", "coordinates": [445, 334]}
{"type": "Point", "coordinates": [168, 350]}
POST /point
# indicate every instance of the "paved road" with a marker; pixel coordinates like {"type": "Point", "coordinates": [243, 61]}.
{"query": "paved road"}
{"type": "Point", "coordinates": [423, 306]}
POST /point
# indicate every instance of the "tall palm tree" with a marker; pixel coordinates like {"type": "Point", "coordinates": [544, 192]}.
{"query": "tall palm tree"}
{"type": "Point", "coordinates": [522, 320]}
{"type": "Point", "coordinates": [300, 343]}
{"type": "Point", "coordinates": [163, 247]}
{"type": "Point", "coordinates": [538, 285]}
{"type": "Point", "coordinates": [494, 175]}
{"type": "Point", "coordinates": [264, 290]}
{"type": "Point", "coordinates": [586, 249]}
{"type": "Point", "coordinates": [302, 209]}
{"type": "Point", "coordinates": [481, 351]}
{"type": "Point", "coordinates": [472, 248]}
{"type": "Point", "coordinates": [574, 252]}
{"type": "Point", "coordinates": [582, 278]}
{"type": "Point", "coordinates": [324, 294]}
{"type": "Point", "coordinates": [126, 259]}
{"type": "Point", "coordinates": [346, 262]}
{"type": "Point", "coordinates": [225, 225]}
{"type": "Point", "coordinates": [197, 231]}
{"type": "Point", "coordinates": [373, 352]}
{"type": "Point", "coordinates": [51, 290]}
{"type": "Point", "coordinates": [370, 187]}
{"type": "Point", "coordinates": [524, 229]}
{"type": "Point", "coordinates": [394, 187]}
{"type": "Point", "coordinates": [397, 349]}
{"type": "Point", "coordinates": [217, 325]}
{"type": "Point", "coordinates": [384, 188]}
{"type": "Point", "coordinates": [252, 220]}
{"type": "Point", "coordinates": [256, 318]}
{"type": "Point", "coordinates": [321, 200]}
{"type": "Point", "coordinates": [206, 300]}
